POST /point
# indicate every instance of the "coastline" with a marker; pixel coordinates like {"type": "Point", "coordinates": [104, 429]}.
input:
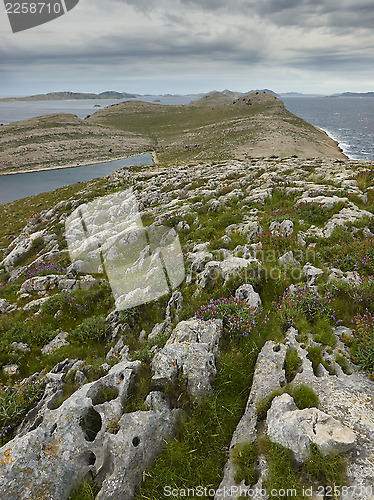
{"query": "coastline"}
{"type": "Point", "coordinates": [154, 156]}
{"type": "Point", "coordinates": [339, 145]}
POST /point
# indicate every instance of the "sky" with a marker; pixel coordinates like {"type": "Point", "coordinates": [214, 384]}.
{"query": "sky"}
{"type": "Point", "coordinates": [193, 46]}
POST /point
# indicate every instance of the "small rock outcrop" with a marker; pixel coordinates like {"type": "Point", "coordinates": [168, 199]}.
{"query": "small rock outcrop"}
{"type": "Point", "coordinates": [248, 295]}
{"type": "Point", "coordinates": [190, 352]}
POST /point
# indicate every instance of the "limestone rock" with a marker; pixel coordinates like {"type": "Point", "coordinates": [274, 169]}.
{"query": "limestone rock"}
{"type": "Point", "coordinates": [328, 202]}
{"type": "Point", "coordinates": [296, 429]}
{"type": "Point", "coordinates": [56, 281]}
{"type": "Point", "coordinates": [288, 260]}
{"type": "Point", "coordinates": [119, 351]}
{"type": "Point", "coordinates": [20, 347]}
{"type": "Point", "coordinates": [311, 273]}
{"type": "Point", "coordinates": [230, 266]}
{"type": "Point", "coordinates": [345, 215]}
{"type": "Point", "coordinates": [281, 228]}
{"type": "Point", "coordinates": [198, 260]}
{"type": "Point", "coordinates": [10, 370]}
{"type": "Point", "coordinates": [59, 341]}
{"type": "Point", "coordinates": [35, 304]}
{"type": "Point", "coordinates": [252, 298]}
{"type": "Point", "coordinates": [4, 306]}
{"type": "Point", "coordinates": [21, 248]}
{"type": "Point", "coordinates": [140, 439]}
{"type": "Point", "coordinates": [75, 439]}
{"type": "Point", "coordinates": [190, 351]}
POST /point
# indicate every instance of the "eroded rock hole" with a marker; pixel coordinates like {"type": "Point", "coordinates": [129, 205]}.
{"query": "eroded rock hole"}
{"type": "Point", "coordinates": [37, 422]}
{"type": "Point", "coordinates": [91, 424]}
{"type": "Point", "coordinates": [136, 441]}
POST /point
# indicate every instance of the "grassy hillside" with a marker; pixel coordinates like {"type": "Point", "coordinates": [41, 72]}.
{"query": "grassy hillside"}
{"type": "Point", "coordinates": [217, 127]}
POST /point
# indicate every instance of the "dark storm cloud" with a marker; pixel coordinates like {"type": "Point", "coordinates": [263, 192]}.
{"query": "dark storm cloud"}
{"type": "Point", "coordinates": [163, 38]}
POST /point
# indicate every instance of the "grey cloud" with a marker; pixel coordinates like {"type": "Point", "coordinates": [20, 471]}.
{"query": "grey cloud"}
{"type": "Point", "coordinates": [331, 13]}
{"type": "Point", "coordinates": [304, 13]}
{"type": "Point", "coordinates": [120, 50]}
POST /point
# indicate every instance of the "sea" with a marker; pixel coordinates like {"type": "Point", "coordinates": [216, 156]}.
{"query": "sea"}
{"type": "Point", "coordinates": [348, 120]}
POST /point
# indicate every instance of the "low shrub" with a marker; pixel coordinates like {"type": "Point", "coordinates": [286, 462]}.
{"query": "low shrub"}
{"type": "Point", "coordinates": [324, 334]}
{"type": "Point", "coordinates": [305, 300]}
{"type": "Point", "coordinates": [238, 317]}
{"type": "Point", "coordinates": [362, 341]}
{"type": "Point", "coordinates": [91, 329]}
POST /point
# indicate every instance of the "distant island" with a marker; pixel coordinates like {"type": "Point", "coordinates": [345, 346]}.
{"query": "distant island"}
{"type": "Point", "coordinates": [354, 94]}
{"type": "Point", "coordinates": [113, 94]}
{"type": "Point", "coordinates": [67, 96]}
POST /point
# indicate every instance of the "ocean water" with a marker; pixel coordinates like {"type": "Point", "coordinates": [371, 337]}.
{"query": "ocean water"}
{"type": "Point", "coordinates": [16, 186]}
{"type": "Point", "coordinates": [348, 120]}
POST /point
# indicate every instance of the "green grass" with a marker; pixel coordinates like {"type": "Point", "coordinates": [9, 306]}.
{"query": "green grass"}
{"type": "Point", "coordinates": [198, 452]}
{"type": "Point", "coordinates": [324, 334]}
{"type": "Point", "coordinates": [15, 402]}
{"type": "Point", "coordinates": [244, 456]}
{"type": "Point", "coordinates": [284, 474]}
{"type": "Point", "coordinates": [304, 397]}
{"type": "Point", "coordinates": [328, 470]}
{"type": "Point", "coordinates": [292, 363]}
{"type": "Point", "coordinates": [342, 361]}
{"type": "Point", "coordinates": [87, 491]}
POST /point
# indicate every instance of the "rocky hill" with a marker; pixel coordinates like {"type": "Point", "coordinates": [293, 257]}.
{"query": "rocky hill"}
{"type": "Point", "coordinates": [251, 377]}
{"type": "Point", "coordinates": [214, 128]}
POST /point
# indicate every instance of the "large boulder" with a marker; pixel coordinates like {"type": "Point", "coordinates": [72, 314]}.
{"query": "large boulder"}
{"type": "Point", "coordinates": [88, 433]}
{"type": "Point", "coordinates": [297, 429]}
{"type": "Point", "coordinates": [230, 266]}
{"type": "Point", "coordinates": [55, 281]}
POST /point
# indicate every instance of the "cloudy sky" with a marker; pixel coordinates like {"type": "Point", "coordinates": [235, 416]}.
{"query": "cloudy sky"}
{"type": "Point", "coordinates": [191, 46]}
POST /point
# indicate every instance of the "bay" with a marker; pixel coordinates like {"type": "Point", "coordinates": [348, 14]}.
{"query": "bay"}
{"type": "Point", "coordinates": [16, 186]}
